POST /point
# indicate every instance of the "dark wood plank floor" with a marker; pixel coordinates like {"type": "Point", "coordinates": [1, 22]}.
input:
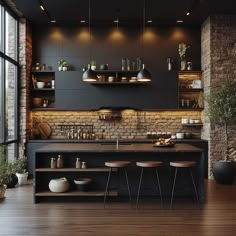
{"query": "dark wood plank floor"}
{"type": "Point", "coordinates": [19, 216]}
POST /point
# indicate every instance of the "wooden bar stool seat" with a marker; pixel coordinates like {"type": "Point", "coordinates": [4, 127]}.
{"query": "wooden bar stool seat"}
{"type": "Point", "coordinates": [119, 165]}
{"type": "Point", "coordinates": [183, 164]}
{"type": "Point", "coordinates": [146, 165]}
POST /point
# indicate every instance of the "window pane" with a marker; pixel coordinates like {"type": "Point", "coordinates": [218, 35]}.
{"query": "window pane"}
{"type": "Point", "coordinates": [1, 102]}
{"type": "Point", "coordinates": [11, 150]}
{"type": "Point", "coordinates": [11, 36]}
{"type": "Point", "coordinates": [10, 101]}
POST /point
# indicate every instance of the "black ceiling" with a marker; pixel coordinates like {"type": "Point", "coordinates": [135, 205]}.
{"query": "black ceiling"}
{"type": "Point", "coordinates": [128, 11]}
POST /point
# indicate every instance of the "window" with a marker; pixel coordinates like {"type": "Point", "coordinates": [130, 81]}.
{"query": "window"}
{"type": "Point", "coordinates": [8, 82]}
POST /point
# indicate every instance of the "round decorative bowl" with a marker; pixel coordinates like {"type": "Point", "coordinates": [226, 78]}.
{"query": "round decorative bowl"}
{"type": "Point", "coordinates": [37, 102]}
{"type": "Point", "coordinates": [40, 85]}
{"type": "Point", "coordinates": [82, 184]}
{"type": "Point", "coordinates": [59, 185]}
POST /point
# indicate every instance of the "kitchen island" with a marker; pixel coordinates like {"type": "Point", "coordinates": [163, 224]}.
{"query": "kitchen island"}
{"type": "Point", "coordinates": [95, 155]}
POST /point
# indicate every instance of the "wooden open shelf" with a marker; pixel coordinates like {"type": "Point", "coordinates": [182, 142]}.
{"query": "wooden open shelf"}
{"type": "Point", "coordinates": [102, 169]}
{"type": "Point", "coordinates": [193, 125]}
{"type": "Point", "coordinates": [76, 194]}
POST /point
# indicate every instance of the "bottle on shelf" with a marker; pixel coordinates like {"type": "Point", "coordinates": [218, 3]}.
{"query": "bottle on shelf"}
{"type": "Point", "coordinates": [84, 165]}
{"type": "Point", "coordinates": [53, 163]}
{"type": "Point", "coordinates": [78, 163]}
{"type": "Point", "coordinates": [59, 161]}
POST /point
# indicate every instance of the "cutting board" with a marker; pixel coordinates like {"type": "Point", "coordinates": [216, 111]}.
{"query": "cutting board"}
{"type": "Point", "coordinates": [44, 130]}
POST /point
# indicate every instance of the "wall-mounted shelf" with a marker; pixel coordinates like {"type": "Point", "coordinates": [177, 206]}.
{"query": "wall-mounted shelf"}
{"type": "Point", "coordinates": [74, 170]}
{"type": "Point", "coordinates": [193, 125]}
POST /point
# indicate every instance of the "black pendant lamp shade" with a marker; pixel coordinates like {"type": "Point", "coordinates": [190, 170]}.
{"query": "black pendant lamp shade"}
{"type": "Point", "coordinates": [144, 75]}
{"type": "Point", "coordinates": [89, 75]}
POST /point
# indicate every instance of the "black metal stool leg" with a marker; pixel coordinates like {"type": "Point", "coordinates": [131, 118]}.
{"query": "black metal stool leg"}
{"type": "Point", "coordinates": [127, 181]}
{"type": "Point", "coordinates": [173, 188]}
{"type": "Point", "coordinates": [107, 187]}
{"type": "Point", "coordinates": [194, 185]}
{"type": "Point", "coordinates": [159, 185]}
{"type": "Point", "coordinates": [139, 187]}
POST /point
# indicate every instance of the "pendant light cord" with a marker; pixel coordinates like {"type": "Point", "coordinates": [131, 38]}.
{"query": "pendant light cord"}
{"type": "Point", "coordinates": [89, 34]}
{"type": "Point", "coordinates": [144, 12]}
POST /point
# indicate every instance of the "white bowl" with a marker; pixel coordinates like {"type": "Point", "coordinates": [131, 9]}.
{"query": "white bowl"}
{"type": "Point", "coordinates": [83, 181]}
{"type": "Point", "coordinates": [179, 135]}
{"type": "Point", "coordinates": [59, 185]}
{"type": "Point", "coordinates": [40, 84]}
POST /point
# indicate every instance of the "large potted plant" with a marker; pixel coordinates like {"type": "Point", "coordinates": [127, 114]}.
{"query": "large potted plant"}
{"type": "Point", "coordinates": [222, 111]}
{"type": "Point", "coordinates": [20, 168]}
{"type": "Point", "coordinates": [3, 178]}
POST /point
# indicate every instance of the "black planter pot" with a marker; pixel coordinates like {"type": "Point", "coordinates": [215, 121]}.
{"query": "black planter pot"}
{"type": "Point", "coordinates": [12, 181]}
{"type": "Point", "coordinates": [224, 172]}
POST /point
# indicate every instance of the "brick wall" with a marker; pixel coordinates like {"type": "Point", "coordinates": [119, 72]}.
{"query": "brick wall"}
{"type": "Point", "coordinates": [132, 125]}
{"type": "Point", "coordinates": [218, 60]}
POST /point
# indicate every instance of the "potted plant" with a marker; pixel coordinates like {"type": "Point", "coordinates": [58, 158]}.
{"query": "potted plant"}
{"type": "Point", "coordinates": [182, 53]}
{"type": "Point", "coordinates": [61, 63]}
{"type": "Point", "coordinates": [222, 111]}
{"type": "Point", "coordinates": [93, 65]}
{"type": "Point", "coordinates": [65, 66]}
{"type": "Point", "coordinates": [3, 178]}
{"type": "Point", "coordinates": [20, 168]}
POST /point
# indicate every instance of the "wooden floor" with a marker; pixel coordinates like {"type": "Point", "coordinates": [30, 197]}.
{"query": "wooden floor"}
{"type": "Point", "coordinates": [19, 216]}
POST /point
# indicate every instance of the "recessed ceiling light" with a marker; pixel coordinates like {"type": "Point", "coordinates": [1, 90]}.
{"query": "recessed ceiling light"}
{"type": "Point", "coordinates": [83, 21]}
{"type": "Point", "coordinates": [179, 21]}
{"type": "Point", "coordinates": [116, 21]}
{"type": "Point", "coordinates": [42, 8]}
{"type": "Point", "coordinates": [188, 13]}
{"type": "Point", "coordinates": [149, 21]}
{"type": "Point", "coordinates": [53, 21]}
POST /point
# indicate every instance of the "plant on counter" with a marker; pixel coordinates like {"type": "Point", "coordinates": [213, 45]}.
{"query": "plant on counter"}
{"type": "Point", "coordinates": [62, 65]}
{"type": "Point", "coordinates": [93, 64]}
{"type": "Point", "coordinates": [222, 111]}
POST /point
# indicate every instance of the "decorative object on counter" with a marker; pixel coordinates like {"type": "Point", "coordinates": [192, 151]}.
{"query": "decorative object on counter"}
{"type": "Point", "coordinates": [83, 184]}
{"type": "Point", "coordinates": [139, 63]}
{"type": "Point", "coordinates": [189, 65]}
{"type": "Point", "coordinates": [93, 64]}
{"type": "Point", "coordinates": [59, 185]}
{"type": "Point", "coordinates": [196, 84]}
{"type": "Point", "coordinates": [44, 130]}
{"type": "Point", "coordinates": [111, 78]}
{"type": "Point", "coordinates": [53, 84]}
{"type": "Point", "coordinates": [123, 63]}
{"type": "Point", "coordinates": [184, 121]}
{"type": "Point", "coordinates": [104, 67]}
{"type": "Point", "coordinates": [162, 142]}
{"type": "Point", "coordinates": [37, 66]}
{"type": "Point", "coordinates": [109, 115]}
{"type": "Point", "coordinates": [170, 63]}
{"type": "Point", "coordinates": [43, 67]}
{"type": "Point", "coordinates": [222, 112]}
{"type": "Point", "coordinates": [180, 135]}
{"type": "Point", "coordinates": [45, 103]}
{"type": "Point", "coordinates": [182, 53]}
{"type": "Point", "coordinates": [59, 161]}
{"type": "Point", "coordinates": [53, 163]}
{"type": "Point", "coordinates": [127, 64]}
{"type": "Point", "coordinates": [78, 163]}
{"type": "Point", "coordinates": [84, 165]}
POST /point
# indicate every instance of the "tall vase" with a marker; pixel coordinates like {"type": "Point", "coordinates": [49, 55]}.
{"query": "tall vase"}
{"type": "Point", "coordinates": [183, 64]}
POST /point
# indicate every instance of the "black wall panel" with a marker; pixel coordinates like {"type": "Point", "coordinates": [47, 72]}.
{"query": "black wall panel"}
{"type": "Point", "coordinates": [107, 45]}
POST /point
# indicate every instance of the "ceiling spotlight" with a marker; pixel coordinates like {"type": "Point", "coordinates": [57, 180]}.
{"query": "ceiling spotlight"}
{"type": "Point", "coordinates": [53, 21]}
{"type": "Point", "coordinates": [42, 8]}
{"type": "Point", "coordinates": [188, 13]}
{"type": "Point", "coordinates": [149, 21]}
{"type": "Point", "coordinates": [83, 21]}
{"type": "Point", "coordinates": [116, 21]}
{"type": "Point", "coordinates": [179, 21]}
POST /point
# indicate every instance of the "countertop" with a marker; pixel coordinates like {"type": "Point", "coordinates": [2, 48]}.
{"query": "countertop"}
{"type": "Point", "coordinates": [112, 148]}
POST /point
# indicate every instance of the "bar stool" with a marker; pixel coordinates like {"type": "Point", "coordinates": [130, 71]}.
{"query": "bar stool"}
{"type": "Point", "coordinates": [119, 165]}
{"type": "Point", "coordinates": [183, 164]}
{"type": "Point", "coordinates": [148, 164]}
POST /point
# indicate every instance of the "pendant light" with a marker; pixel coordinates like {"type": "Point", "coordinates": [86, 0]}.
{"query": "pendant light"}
{"type": "Point", "coordinates": [89, 75]}
{"type": "Point", "coordinates": [144, 75]}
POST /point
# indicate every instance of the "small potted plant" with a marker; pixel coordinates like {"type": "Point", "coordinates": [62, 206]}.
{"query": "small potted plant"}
{"type": "Point", "coordinates": [93, 65]}
{"type": "Point", "coordinates": [182, 54]}
{"type": "Point", "coordinates": [61, 62]}
{"type": "Point", "coordinates": [20, 168]}
{"type": "Point", "coordinates": [65, 66]}
{"type": "Point", "coordinates": [222, 111]}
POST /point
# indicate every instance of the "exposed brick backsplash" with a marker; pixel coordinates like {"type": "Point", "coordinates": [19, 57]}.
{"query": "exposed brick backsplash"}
{"type": "Point", "coordinates": [132, 125]}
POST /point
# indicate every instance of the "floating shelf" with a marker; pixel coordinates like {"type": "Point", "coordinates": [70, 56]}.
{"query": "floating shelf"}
{"type": "Point", "coordinates": [118, 83]}
{"type": "Point", "coordinates": [102, 169]}
{"type": "Point", "coordinates": [195, 125]}
{"type": "Point", "coordinates": [76, 194]}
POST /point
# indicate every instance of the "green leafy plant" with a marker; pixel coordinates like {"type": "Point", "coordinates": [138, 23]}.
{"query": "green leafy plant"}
{"type": "Point", "coordinates": [61, 62]}
{"type": "Point", "coordinates": [182, 50]}
{"type": "Point", "coordinates": [222, 108]}
{"type": "Point", "coordinates": [20, 165]}
{"type": "Point", "coordinates": [93, 63]}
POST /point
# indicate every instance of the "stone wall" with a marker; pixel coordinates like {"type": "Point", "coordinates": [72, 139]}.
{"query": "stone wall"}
{"type": "Point", "coordinates": [132, 125]}
{"type": "Point", "coordinates": [218, 63]}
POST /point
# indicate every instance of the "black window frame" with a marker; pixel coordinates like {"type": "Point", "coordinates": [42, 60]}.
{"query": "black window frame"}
{"type": "Point", "coordinates": [4, 58]}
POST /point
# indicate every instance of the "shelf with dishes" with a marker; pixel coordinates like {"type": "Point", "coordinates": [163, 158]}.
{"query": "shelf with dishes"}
{"type": "Point", "coordinates": [43, 89]}
{"type": "Point", "coordinates": [113, 77]}
{"type": "Point", "coordinates": [190, 90]}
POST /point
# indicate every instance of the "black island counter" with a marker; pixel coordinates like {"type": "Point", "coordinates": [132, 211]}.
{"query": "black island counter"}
{"type": "Point", "coordinates": [96, 154]}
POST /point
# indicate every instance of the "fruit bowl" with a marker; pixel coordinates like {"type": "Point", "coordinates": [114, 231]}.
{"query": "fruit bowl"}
{"type": "Point", "coordinates": [162, 142]}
